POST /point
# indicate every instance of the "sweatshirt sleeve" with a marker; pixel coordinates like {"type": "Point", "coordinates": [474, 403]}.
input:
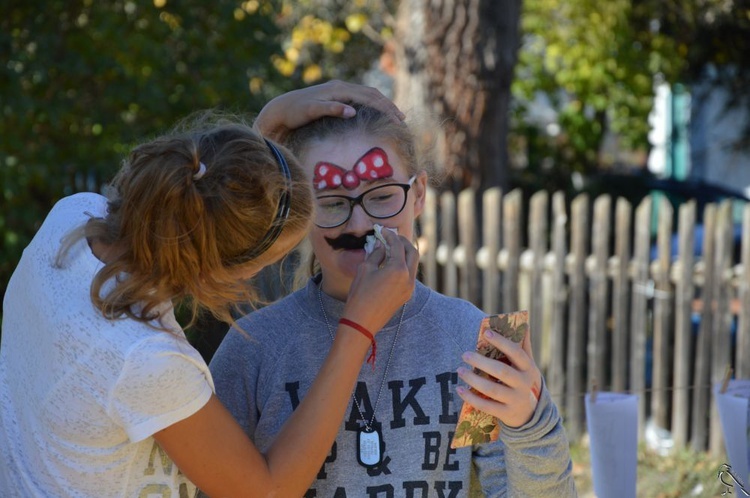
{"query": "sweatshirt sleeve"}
{"type": "Point", "coordinates": [489, 467]}
{"type": "Point", "coordinates": [537, 455]}
{"type": "Point", "coordinates": [235, 374]}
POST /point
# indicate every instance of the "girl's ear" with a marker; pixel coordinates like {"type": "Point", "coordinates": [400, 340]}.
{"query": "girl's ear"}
{"type": "Point", "coordinates": [420, 192]}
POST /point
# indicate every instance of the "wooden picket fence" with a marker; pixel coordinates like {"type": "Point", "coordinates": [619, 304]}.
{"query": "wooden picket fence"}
{"type": "Point", "coordinates": [602, 309]}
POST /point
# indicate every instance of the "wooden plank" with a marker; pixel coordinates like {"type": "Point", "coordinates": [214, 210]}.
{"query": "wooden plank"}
{"type": "Point", "coordinates": [448, 233]}
{"type": "Point", "coordinates": [662, 338]}
{"type": "Point", "coordinates": [512, 214]}
{"type": "Point", "coordinates": [467, 239]}
{"type": "Point", "coordinates": [742, 358]}
{"type": "Point", "coordinates": [598, 293]}
{"type": "Point", "coordinates": [538, 229]}
{"type": "Point", "coordinates": [702, 372]}
{"type": "Point", "coordinates": [577, 316]}
{"type": "Point", "coordinates": [639, 307]}
{"type": "Point", "coordinates": [620, 297]}
{"type": "Point", "coordinates": [555, 377]}
{"type": "Point", "coordinates": [683, 343]}
{"type": "Point", "coordinates": [429, 235]}
{"type": "Point", "coordinates": [721, 345]}
{"type": "Point", "coordinates": [491, 235]}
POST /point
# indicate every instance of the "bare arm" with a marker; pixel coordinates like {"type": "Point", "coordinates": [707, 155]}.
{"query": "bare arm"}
{"type": "Point", "coordinates": [211, 449]}
{"type": "Point", "coordinates": [275, 120]}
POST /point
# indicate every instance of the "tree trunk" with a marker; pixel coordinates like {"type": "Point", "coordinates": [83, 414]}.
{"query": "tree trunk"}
{"type": "Point", "coordinates": [455, 60]}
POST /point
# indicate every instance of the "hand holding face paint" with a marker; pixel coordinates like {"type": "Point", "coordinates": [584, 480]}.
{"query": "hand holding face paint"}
{"type": "Point", "coordinates": [327, 99]}
{"type": "Point", "coordinates": [384, 282]}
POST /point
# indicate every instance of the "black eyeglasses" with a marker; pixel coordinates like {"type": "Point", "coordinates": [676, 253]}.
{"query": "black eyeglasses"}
{"type": "Point", "coordinates": [384, 201]}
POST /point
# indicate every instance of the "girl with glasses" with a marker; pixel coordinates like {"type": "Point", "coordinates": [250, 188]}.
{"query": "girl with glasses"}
{"type": "Point", "coordinates": [396, 436]}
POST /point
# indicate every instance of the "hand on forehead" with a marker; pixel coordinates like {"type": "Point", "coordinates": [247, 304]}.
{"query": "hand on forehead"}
{"type": "Point", "coordinates": [373, 165]}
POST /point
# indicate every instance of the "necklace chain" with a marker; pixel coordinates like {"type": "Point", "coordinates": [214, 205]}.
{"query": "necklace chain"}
{"type": "Point", "coordinates": [368, 425]}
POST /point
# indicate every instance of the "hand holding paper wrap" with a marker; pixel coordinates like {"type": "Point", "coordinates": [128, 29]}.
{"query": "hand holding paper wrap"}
{"type": "Point", "coordinates": [505, 383]}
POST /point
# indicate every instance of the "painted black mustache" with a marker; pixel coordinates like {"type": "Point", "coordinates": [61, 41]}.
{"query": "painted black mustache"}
{"type": "Point", "coordinates": [348, 241]}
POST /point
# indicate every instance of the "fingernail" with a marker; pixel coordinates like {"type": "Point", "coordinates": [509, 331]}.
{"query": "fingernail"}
{"type": "Point", "coordinates": [349, 112]}
{"type": "Point", "coordinates": [461, 390]}
{"type": "Point", "coordinates": [489, 334]}
{"type": "Point", "coordinates": [465, 356]}
{"type": "Point", "coordinates": [461, 371]}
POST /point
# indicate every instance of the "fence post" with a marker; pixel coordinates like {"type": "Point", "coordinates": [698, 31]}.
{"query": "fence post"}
{"type": "Point", "coordinates": [742, 361]}
{"type": "Point", "coordinates": [556, 374]}
{"type": "Point", "coordinates": [662, 306]}
{"type": "Point", "coordinates": [683, 350]}
{"type": "Point", "coordinates": [491, 235]}
{"type": "Point", "coordinates": [512, 213]}
{"type": "Point", "coordinates": [620, 296]}
{"type": "Point", "coordinates": [448, 245]}
{"type": "Point", "coordinates": [428, 225]}
{"type": "Point", "coordinates": [467, 239]}
{"type": "Point", "coordinates": [702, 374]}
{"type": "Point", "coordinates": [639, 309]}
{"type": "Point", "coordinates": [538, 244]}
{"type": "Point", "coordinates": [576, 323]}
{"type": "Point", "coordinates": [721, 347]}
{"type": "Point", "coordinates": [599, 292]}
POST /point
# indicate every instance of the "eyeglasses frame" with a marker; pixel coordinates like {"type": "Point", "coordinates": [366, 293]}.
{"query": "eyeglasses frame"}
{"type": "Point", "coordinates": [354, 201]}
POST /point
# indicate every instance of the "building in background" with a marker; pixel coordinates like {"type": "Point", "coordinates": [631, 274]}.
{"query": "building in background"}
{"type": "Point", "coordinates": [696, 139]}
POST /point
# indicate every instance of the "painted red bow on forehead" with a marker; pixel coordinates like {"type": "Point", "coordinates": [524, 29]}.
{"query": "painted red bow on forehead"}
{"type": "Point", "coordinates": [373, 165]}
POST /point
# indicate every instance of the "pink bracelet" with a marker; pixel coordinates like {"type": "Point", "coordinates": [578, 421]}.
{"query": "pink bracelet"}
{"type": "Point", "coordinates": [366, 333]}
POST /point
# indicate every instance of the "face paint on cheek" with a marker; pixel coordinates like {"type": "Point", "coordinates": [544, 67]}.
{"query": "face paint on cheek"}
{"type": "Point", "coordinates": [373, 165]}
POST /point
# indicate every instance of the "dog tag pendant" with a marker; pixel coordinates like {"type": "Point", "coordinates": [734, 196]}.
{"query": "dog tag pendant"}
{"type": "Point", "coordinates": [369, 447]}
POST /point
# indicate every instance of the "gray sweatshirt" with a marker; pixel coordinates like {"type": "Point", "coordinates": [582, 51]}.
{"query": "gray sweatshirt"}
{"type": "Point", "coordinates": [262, 375]}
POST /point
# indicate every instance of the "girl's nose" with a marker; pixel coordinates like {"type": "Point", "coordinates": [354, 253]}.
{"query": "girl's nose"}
{"type": "Point", "coordinates": [359, 220]}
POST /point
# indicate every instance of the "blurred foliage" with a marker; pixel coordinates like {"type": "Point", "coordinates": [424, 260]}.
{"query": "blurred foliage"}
{"type": "Point", "coordinates": [596, 64]}
{"type": "Point", "coordinates": [82, 81]}
{"type": "Point", "coordinates": [326, 39]}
